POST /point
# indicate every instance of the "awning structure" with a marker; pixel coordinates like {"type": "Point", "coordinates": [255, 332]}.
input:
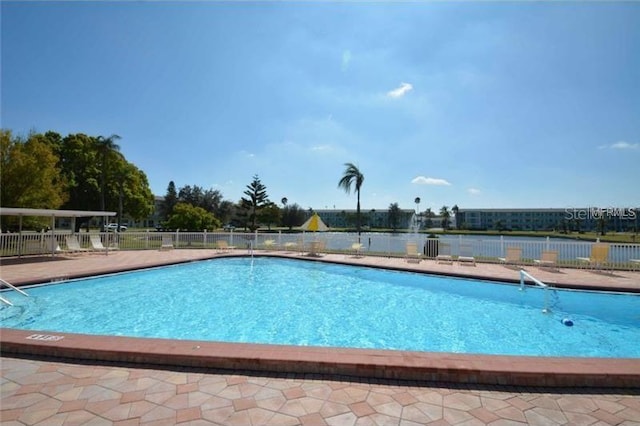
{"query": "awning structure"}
{"type": "Point", "coordinates": [53, 214]}
{"type": "Point", "coordinates": [19, 211]}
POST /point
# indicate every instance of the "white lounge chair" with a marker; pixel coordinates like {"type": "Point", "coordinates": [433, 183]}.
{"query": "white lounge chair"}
{"type": "Point", "coordinates": [223, 245]}
{"type": "Point", "coordinates": [270, 244]}
{"type": "Point", "coordinates": [293, 245]}
{"type": "Point", "coordinates": [466, 255]}
{"type": "Point", "coordinates": [356, 248]}
{"type": "Point", "coordinates": [316, 248]}
{"type": "Point", "coordinates": [73, 245]}
{"type": "Point", "coordinates": [513, 257]}
{"type": "Point", "coordinates": [167, 243]}
{"type": "Point", "coordinates": [96, 244]}
{"type": "Point", "coordinates": [50, 243]}
{"type": "Point", "coordinates": [548, 259]}
{"type": "Point", "coordinates": [413, 255]}
{"type": "Point", "coordinates": [444, 254]}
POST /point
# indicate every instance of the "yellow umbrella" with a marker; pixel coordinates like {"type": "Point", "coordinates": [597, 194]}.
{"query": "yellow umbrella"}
{"type": "Point", "coordinates": [314, 223]}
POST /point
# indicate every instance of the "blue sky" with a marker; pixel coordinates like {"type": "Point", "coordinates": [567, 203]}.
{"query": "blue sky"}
{"type": "Point", "coordinates": [483, 105]}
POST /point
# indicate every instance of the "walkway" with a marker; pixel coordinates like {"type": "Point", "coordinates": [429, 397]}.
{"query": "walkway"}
{"type": "Point", "coordinates": [53, 393]}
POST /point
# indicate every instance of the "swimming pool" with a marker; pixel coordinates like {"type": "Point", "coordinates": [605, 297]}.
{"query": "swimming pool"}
{"type": "Point", "coordinates": [292, 302]}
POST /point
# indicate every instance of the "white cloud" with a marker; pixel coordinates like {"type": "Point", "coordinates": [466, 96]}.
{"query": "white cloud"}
{"type": "Point", "coordinates": [421, 180]}
{"type": "Point", "coordinates": [346, 59]}
{"type": "Point", "coordinates": [321, 148]}
{"type": "Point", "coordinates": [621, 145]}
{"type": "Point", "coordinates": [474, 191]}
{"type": "Point", "coordinates": [400, 91]}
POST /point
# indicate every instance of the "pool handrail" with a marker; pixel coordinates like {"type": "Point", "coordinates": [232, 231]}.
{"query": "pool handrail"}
{"type": "Point", "coordinates": [2, 299]}
{"type": "Point", "coordinates": [538, 283]}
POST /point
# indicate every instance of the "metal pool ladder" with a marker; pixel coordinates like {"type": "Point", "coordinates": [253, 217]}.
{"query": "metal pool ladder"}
{"type": "Point", "coordinates": [538, 283]}
{"type": "Point", "coordinates": [2, 299]}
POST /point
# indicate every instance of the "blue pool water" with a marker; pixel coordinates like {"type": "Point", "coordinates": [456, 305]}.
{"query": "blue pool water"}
{"type": "Point", "coordinates": [282, 301]}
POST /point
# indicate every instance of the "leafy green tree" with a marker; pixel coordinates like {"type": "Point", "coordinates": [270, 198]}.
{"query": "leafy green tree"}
{"type": "Point", "coordinates": [193, 195]}
{"type": "Point", "coordinates": [428, 214]}
{"type": "Point", "coordinates": [292, 215]}
{"type": "Point", "coordinates": [270, 214]}
{"type": "Point", "coordinates": [190, 218]}
{"type": "Point", "coordinates": [352, 176]}
{"type": "Point", "coordinates": [577, 223]}
{"type": "Point", "coordinates": [80, 166]}
{"type": "Point", "coordinates": [208, 199]}
{"type": "Point", "coordinates": [601, 224]}
{"type": "Point", "coordinates": [30, 176]}
{"type": "Point", "coordinates": [226, 211]}
{"type": "Point", "coordinates": [126, 188]}
{"type": "Point", "coordinates": [257, 199]}
{"type": "Point", "coordinates": [394, 216]}
{"type": "Point", "coordinates": [134, 194]}
{"type": "Point", "coordinates": [170, 200]}
{"type": "Point", "coordinates": [107, 147]}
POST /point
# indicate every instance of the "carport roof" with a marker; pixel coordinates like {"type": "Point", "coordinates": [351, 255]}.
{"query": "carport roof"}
{"type": "Point", "coordinates": [19, 211]}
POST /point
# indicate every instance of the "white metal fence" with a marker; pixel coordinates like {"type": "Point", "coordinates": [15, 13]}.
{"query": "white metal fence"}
{"type": "Point", "coordinates": [484, 249]}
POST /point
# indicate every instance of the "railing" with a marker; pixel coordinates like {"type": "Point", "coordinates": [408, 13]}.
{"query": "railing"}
{"type": "Point", "coordinates": [484, 249]}
{"type": "Point", "coordinates": [538, 283]}
{"type": "Point", "coordinates": [11, 286]}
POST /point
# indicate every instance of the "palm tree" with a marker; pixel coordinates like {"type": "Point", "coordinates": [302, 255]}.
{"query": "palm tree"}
{"type": "Point", "coordinates": [106, 147]}
{"type": "Point", "coordinates": [444, 212]}
{"type": "Point", "coordinates": [284, 201]}
{"type": "Point", "coordinates": [352, 176]}
{"type": "Point", "coordinates": [455, 210]}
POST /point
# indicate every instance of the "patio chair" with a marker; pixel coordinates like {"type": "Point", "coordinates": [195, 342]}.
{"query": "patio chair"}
{"type": "Point", "coordinates": [52, 242]}
{"type": "Point", "coordinates": [316, 248]}
{"type": "Point", "coordinates": [223, 246]}
{"type": "Point", "coordinates": [96, 244]}
{"type": "Point", "coordinates": [413, 255]}
{"type": "Point", "coordinates": [548, 259]}
{"type": "Point", "coordinates": [167, 243]}
{"type": "Point", "coordinates": [294, 245]}
{"type": "Point", "coordinates": [73, 245]}
{"type": "Point", "coordinates": [270, 244]}
{"type": "Point", "coordinates": [513, 257]}
{"type": "Point", "coordinates": [356, 248]}
{"type": "Point", "coordinates": [444, 254]}
{"type": "Point", "coordinates": [466, 255]}
{"type": "Point", "coordinates": [598, 258]}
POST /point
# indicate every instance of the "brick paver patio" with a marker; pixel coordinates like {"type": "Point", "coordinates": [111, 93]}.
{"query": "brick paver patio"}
{"type": "Point", "coordinates": [55, 393]}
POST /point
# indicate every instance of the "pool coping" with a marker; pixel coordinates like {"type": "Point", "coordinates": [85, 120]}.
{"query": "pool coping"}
{"type": "Point", "coordinates": [113, 269]}
{"type": "Point", "coordinates": [468, 369]}
{"type": "Point", "coordinates": [346, 362]}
